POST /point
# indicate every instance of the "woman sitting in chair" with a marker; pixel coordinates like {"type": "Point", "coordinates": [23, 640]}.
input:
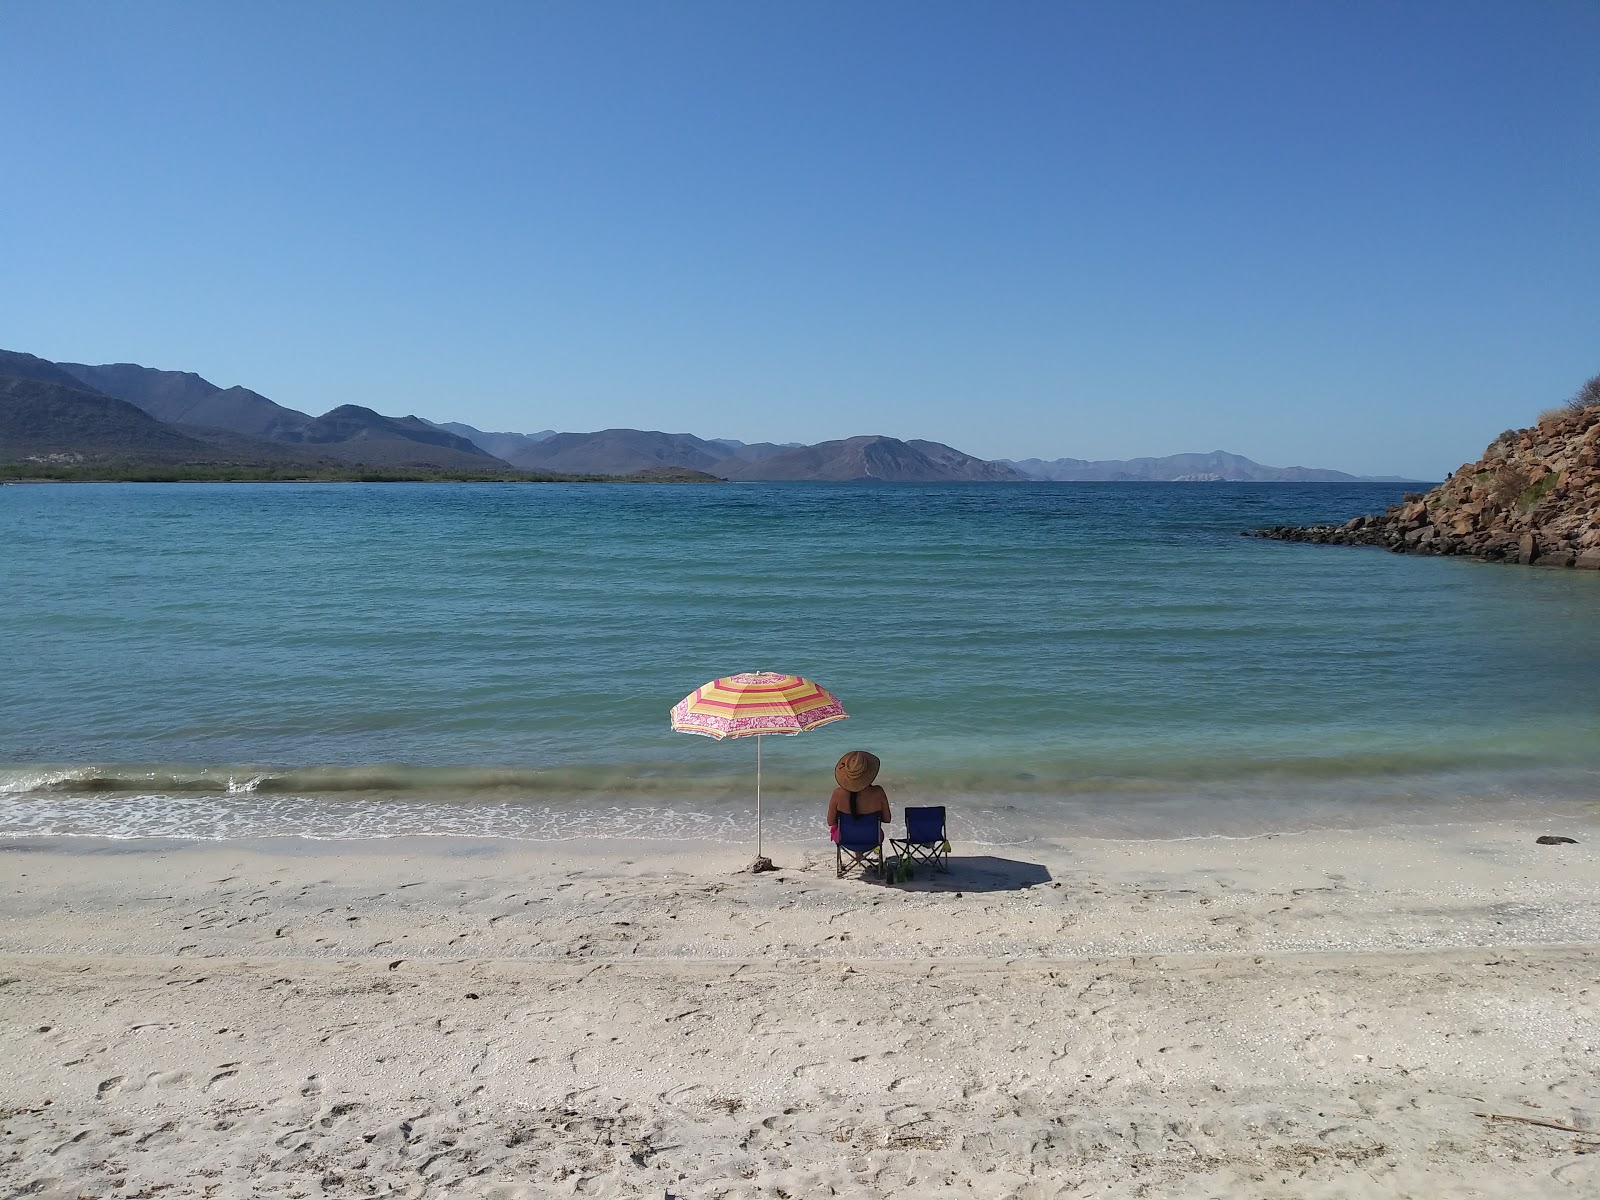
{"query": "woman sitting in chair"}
{"type": "Point", "coordinates": [856, 794]}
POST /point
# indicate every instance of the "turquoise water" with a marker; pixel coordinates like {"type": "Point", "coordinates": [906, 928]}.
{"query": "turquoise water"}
{"type": "Point", "coordinates": [359, 660]}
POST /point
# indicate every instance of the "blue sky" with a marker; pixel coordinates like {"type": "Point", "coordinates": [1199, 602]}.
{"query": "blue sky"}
{"type": "Point", "coordinates": [1346, 234]}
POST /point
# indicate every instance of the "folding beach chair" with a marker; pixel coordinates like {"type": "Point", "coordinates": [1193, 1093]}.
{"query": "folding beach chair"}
{"type": "Point", "coordinates": [925, 841]}
{"type": "Point", "coordinates": [860, 844]}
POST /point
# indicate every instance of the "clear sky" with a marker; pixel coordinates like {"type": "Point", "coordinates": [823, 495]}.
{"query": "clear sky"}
{"type": "Point", "coordinates": [1343, 234]}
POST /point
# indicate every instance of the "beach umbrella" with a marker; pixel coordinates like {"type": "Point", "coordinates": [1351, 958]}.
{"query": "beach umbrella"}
{"type": "Point", "coordinates": [755, 704]}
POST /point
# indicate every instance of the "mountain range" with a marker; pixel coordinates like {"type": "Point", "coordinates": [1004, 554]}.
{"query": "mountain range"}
{"type": "Point", "coordinates": [123, 412]}
{"type": "Point", "coordinates": [624, 451]}
{"type": "Point", "coordinates": [1186, 468]}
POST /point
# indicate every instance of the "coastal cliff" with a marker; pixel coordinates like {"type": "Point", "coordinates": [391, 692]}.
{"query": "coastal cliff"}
{"type": "Point", "coordinates": [1534, 497]}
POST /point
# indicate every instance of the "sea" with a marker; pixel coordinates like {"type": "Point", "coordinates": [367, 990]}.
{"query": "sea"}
{"type": "Point", "coordinates": [1050, 660]}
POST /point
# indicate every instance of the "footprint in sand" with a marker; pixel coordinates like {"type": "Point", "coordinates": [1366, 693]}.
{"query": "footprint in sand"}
{"type": "Point", "coordinates": [312, 1086]}
{"type": "Point", "coordinates": [108, 1087]}
{"type": "Point", "coordinates": [334, 1113]}
{"type": "Point", "coordinates": [71, 1141]}
{"type": "Point", "coordinates": [219, 1077]}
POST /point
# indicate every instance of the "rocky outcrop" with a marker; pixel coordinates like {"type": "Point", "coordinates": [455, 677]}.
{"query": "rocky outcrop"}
{"type": "Point", "coordinates": [1534, 497]}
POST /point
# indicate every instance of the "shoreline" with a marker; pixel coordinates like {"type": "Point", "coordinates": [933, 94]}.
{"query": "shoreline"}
{"type": "Point", "coordinates": [723, 816]}
{"type": "Point", "coordinates": [1311, 1015]}
{"type": "Point", "coordinates": [1575, 813]}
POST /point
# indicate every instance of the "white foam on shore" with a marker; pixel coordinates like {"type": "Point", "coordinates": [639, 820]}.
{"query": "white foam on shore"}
{"type": "Point", "coordinates": [243, 814]}
{"type": "Point", "coordinates": [224, 819]}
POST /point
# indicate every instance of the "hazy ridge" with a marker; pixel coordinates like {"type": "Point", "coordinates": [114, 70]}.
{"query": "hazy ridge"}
{"type": "Point", "coordinates": [74, 412]}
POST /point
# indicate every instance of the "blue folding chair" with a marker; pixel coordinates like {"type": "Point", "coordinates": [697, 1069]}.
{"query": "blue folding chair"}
{"type": "Point", "coordinates": [860, 844]}
{"type": "Point", "coordinates": [925, 840]}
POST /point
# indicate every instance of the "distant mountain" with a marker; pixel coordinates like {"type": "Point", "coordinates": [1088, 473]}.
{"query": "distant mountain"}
{"type": "Point", "coordinates": [620, 452]}
{"type": "Point", "coordinates": [624, 451]}
{"type": "Point", "coordinates": [190, 414]}
{"type": "Point", "coordinates": [360, 435]}
{"type": "Point", "coordinates": [872, 457]}
{"type": "Point", "coordinates": [754, 451]}
{"type": "Point", "coordinates": [501, 445]}
{"type": "Point", "coordinates": [1218, 465]}
{"type": "Point", "coordinates": [40, 370]}
{"type": "Point", "coordinates": [184, 398]}
{"type": "Point", "coordinates": [211, 424]}
{"type": "Point", "coordinates": [39, 418]}
{"type": "Point", "coordinates": [964, 466]}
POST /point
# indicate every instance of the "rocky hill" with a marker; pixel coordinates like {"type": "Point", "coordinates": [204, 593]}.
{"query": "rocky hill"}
{"type": "Point", "coordinates": [1534, 497]}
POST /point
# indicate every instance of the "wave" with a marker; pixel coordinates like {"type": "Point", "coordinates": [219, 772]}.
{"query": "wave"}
{"type": "Point", "coordinates": [384, 778]}
{"type": "Point", "coordinates": [1127, 773]}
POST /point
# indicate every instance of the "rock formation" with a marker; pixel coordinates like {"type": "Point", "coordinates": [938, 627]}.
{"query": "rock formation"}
{"type": "Point", "coordinates": [1534, 497]}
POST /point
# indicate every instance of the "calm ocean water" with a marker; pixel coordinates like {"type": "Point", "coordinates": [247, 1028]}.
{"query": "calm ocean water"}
{"type": "Point", "coordinates": [363, 660]}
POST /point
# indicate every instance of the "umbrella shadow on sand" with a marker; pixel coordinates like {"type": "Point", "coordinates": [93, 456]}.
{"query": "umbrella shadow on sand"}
{"type": "Point", "coordinates": [973, 873]}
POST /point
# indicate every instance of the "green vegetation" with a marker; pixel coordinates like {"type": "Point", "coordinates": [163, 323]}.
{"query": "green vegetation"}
{"type": "Point", "coordinates": [1536, 492]}
{"type": "Point", "coordinates": [134, 472]}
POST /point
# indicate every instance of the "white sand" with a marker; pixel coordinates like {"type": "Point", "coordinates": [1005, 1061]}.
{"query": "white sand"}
{"type": "Point", "coordinates": [1320, 1015]}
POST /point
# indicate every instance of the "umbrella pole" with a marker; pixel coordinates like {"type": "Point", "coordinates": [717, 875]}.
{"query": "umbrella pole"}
{"type": "Point", "coordinates": [758, 797]}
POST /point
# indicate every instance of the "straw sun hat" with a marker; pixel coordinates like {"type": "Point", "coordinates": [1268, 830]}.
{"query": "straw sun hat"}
{"type": "Point", "coordinates": [856, 770]}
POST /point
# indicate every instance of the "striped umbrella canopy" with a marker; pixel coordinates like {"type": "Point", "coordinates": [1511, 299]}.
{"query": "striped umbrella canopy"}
{"type": "Point", "coordinates": [754, 704]}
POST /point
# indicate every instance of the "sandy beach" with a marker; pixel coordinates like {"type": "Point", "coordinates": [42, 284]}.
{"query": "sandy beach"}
{"type": "Point", "coordinates": [1397, 1012]}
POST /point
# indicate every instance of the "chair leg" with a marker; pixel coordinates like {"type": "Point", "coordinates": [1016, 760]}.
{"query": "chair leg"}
{"type": "Point", "coordinates": [863, 859]}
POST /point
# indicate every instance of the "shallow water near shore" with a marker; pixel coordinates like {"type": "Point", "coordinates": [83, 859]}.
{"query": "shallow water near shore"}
{"type": "Point", "coordinates": [374, 660]}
